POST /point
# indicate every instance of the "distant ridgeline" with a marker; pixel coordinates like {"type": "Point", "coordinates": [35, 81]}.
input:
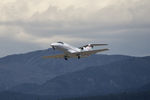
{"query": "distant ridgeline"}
{"type": "Point", "coordinates": [30, 77]}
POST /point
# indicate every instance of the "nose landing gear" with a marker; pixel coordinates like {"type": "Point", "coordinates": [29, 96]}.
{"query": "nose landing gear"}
{"type": "Point", "coordinates": [53, 47]}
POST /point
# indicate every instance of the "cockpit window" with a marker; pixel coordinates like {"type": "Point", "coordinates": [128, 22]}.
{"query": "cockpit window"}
{"type": "Point", "coordinates": [60, 42]}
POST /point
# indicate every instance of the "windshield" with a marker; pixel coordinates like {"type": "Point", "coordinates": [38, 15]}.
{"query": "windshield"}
{"type": "Point", "coordinates": [60, 42]}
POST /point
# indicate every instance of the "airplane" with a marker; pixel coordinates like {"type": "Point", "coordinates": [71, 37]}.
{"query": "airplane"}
{"type": "Point", "coordinates": [74, 52]}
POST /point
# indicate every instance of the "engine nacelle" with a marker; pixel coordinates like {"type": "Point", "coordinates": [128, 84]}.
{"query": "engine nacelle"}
{"type": "Point", "coordinates": [87, 47]}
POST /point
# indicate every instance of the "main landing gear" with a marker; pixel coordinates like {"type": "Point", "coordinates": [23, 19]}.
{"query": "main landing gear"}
{"type": "Point", "coordinates": [65, 57]}
{"type": "Point", "coordinates": [78, 55]}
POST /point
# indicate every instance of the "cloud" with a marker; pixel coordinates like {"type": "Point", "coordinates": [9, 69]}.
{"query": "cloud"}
{"type": "Point", "coordinates": [41, 22]}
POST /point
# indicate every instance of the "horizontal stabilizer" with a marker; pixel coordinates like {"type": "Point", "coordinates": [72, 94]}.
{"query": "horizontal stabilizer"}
{"type": "Point", "coordinates": [98, 44]}
{"type": "Point", "coordinates": [92, 45]}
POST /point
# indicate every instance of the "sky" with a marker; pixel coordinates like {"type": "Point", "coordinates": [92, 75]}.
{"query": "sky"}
{"type": "Point", "coordinates": [28, 25]}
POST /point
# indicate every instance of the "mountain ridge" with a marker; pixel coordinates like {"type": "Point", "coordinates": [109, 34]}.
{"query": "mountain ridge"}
{"type": "Point", "coordinates": [32, 68]}
{"type": "Point", "coordinates": [104, 79]}
{"type": "Point", "coordinates": [98, 74]}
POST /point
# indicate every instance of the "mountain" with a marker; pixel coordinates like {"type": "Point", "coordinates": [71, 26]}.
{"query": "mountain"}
{"type": "Point", "coordinates": [121, 96]}
{"type": "Point", "coordinates": [6, 95]}
{"type": "Point", "coordinates": [146, 87]}
{"type": "Point", "coordinates": [31, 68]}
{"type": "Point", "coordinates": [115, 77]}
{"type": "Point", "coordinates": [32, 77]}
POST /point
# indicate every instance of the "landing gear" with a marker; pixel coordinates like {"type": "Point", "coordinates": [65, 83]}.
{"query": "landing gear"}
{"type": "Point", "coordinates": [53, 47]}
{"type": "Point", "coordinates": [81, 48]}
{"type": "Point", "coordinates": [65, 57]}
{"type": "Point", "coordinates": [78, 56]}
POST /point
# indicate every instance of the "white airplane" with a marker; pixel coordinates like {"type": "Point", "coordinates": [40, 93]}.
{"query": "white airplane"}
{"type": "Point", "coordinates": [73, 52]}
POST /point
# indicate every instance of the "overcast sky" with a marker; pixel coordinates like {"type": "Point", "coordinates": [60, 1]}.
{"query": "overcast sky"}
{"type": "Point", "coordinates": [28, 25]}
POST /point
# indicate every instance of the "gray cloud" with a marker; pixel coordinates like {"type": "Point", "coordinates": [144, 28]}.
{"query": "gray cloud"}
{"type": "Point", "coordinates": [121, 23]}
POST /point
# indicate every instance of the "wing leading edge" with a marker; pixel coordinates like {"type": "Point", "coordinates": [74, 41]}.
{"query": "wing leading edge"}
{"type": "Point", "coordinates": [75, 55]}
{"type": "Point", "coordinates": [55, 56]}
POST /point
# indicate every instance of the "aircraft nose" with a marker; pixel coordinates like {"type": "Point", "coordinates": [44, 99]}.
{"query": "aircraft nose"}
{"type": "Point", "coordinates": [54, 44]}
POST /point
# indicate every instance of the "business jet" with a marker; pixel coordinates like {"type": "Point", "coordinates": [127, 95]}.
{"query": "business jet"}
{"type": "Point", "coordinates": [73, 52]}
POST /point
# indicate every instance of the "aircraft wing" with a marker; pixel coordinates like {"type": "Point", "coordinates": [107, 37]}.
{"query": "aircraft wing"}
{"type": "Point", "coordinates": [94, 45]}
{"type": "Point", "coordinates": [55, 56]}
{"type": "Point", "coordinates": [74, 55]}
{"type": "Point", "coordinates": [92, 52]}
{"type": "Point", "coordinates": [61, 56]}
